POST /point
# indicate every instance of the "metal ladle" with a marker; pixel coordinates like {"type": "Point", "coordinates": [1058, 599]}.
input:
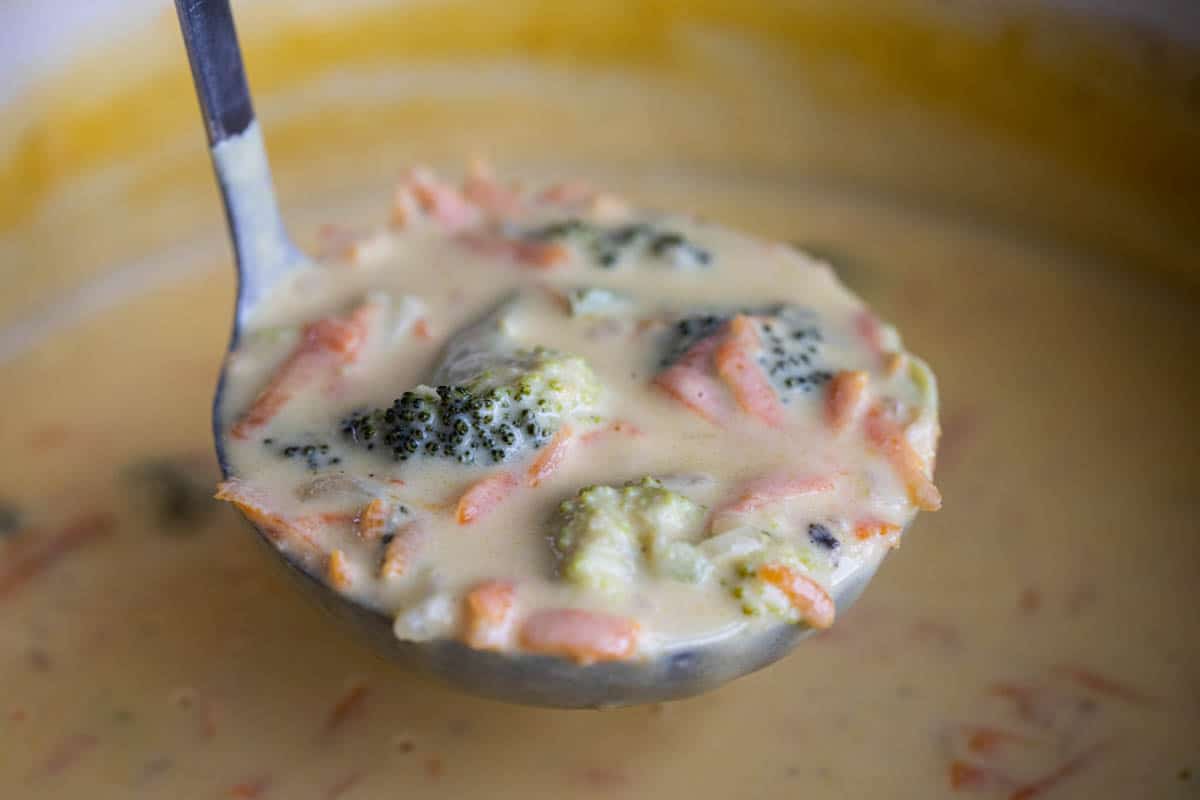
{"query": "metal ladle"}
{"type": "Point", "coordinates": [264, 255]}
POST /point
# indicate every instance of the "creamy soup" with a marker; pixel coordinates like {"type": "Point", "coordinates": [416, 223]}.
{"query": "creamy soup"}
{"type": "Point", "coordinates": [543, 421]}
{"type": "Point", "coordinates": [1034, 638]}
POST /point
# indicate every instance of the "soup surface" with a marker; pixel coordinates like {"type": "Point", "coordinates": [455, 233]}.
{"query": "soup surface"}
{"type": "Point", "coordinates": [543, 421]}
{"type": "Point", "coordinates": [1034, 638]}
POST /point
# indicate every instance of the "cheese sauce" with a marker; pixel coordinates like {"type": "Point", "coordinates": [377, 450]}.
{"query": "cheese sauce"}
{"type": "Point", "coordinates": [1037, 635]}
{"type": "Point", "coordinates": [543, 421]}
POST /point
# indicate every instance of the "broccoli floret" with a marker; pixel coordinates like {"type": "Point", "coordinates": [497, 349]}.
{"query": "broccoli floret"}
{"type": "Point", "coordinates": [506, 412]}
{"type": "Point", "coordinates": [608, 533]}
{"type": "Point", "coordinates": [611, 246]}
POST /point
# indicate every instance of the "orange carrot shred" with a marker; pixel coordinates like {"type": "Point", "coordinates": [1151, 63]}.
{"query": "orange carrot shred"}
{"type": "Point", "coordinates": [738, 368]}
{"type": "Point", "coordinates": [400, 552]}
{"type": "Point", "coordinates": [250, 789]}
{"type": "Point", "coordinates": [690, 380]}
{"type": "Point", "coordinates": [585, 637]}
{"type": "Point", "coordinates": [324, 345]}
{"type": "Point", "coordinates": [1070, 767]}
{"type": "Point", "coordinates": [775, 488]}
{"type": "Point", "coordinates": [348, 706]}
{"type": "Point", "coordinates": [815, 605]}
{"type": "Point", "coordinates": [551, 457]}
{"type": "Point", "coordinates": [421, 330]}
{"type": "Point", "coordinates": [888, 437]}
{"type": "Point", "coordinates": [299, 534]}
{"type": "Point", "coordinates": [488, 614]}
{"type": "Point", "coordinates": [870, 528]}
{"type": "Point", "coordinates": [844, 398]}
{"type": "Point", "coordinates": [1100, 684]}
{"type": "Point", "coordinates": [338, 571]}
{"type": "Point", "coordinates": [967, 776]}
{"type": "Point", "coordinates": [77, 533]}
{"type": "Point", "coordinates": [483, 496]}
{"type": "Point", "coordinates": [372, 522]}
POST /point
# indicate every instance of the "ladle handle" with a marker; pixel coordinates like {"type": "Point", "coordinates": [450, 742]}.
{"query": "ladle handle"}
{"type": "Point", "coordinates": [265, 254]}
{"type": "Point", "coordinates": [216, 60]}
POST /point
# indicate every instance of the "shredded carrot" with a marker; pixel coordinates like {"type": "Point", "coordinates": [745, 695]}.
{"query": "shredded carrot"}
{"type": "Point", "coordinates": [337, 242]}
{"type": "Point", "coordinates": [483, 496]}
{"type": "Point", "coordinates": [1100, 684]}
{"type": "Point", "coordinates": [888, 436]}
{"type": "Point", "coordinates": [251, 789]}
{"type": "Point", "coordinates": [489, 611]}
{"type": "Point", "coordinates": [324, 345]}
{"type": "Point", "coordinates": [737, 366]}
{"type": "Point", "coordinates": [77, 533]}
{"type": "Point", "coordinates": [894, 362]}
{"type": "Point", "coordinates": [983, 740]}
{"type": "Point", "coordinates": [439, 200]}
{"type": "Point", "coordinates": [349, 705]}
{"type": "Point", "coordinates": [845, 398]}
{"type": "Point", "coordinates": [619, 427]}
{"type": "Point", "coordinates": [690, 380]}
{"type": "Point", "coordinates": [870, 528]}
{"type": "Point", "coordinates": [298, 534]}
{"type": "Point", "coordinates": [775, 488]}
{"type": "Point", "coordinates": [816, 607]}
{"type": "Point", "coordinates": [421, 330]}
{"type": "Point", "coordinates": [1069, 768]}
{"type": "Point", "coordinates": [969, 776]}
{"type": "Point", "coordinates": [338, 571]}
{"type": "Point", "coordinates": [870, 330]}
{"type": "Point", "coordinates": [551, 457]}
{"type": "Point", "coordinates": [482, 190]}
{"type": "Point", "coordinates": [336, 517]}
{"type": "Point", "coordinates": [539, 255]}
{"type": "Point", "coordinates": [400, 552]}
{"type": "Point", "coordinates": [373, 521]}
{"type": "Point", "coordinates": [585, 637]}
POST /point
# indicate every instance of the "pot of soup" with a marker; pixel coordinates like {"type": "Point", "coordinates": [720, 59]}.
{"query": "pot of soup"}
{"type": "Point", "coordinates": [1013, 186]}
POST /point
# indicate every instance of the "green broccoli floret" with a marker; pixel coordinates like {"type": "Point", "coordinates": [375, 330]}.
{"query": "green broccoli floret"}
{"type": "Point", "coordinates": [511, 408]}
{"type": "Point", "coordinates": [740, 553]}
{"type": "Point", "coordinates": [607, 534]}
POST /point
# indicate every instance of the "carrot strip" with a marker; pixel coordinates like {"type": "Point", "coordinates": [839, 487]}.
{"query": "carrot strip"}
{"type": "Point", "coordinates": [338, 571]}
{"type": "Point", "coordinates": [870, 528]}
{"type": "Point", "coordinates": [324, 345]}
{"type": "Point", "coordinates": [421, 330]}
{"type": "Point", "coordinates": [816, 607]}
{"type": "Point", "coordinates": [1069, 768]}
{"type": "Point", "coordinates": [585, 637]}
{"type": "Point", "coordinates": [489, 611]}
{"type": "Point", "coordinates": [888, 436]}
{"type": "Point", "coordinates": [372, 522]}
{"type": "Point", "coordinates": [737, 366]}
{"type": "Point", "coordinates": [483, 496]}
{"type": "Point", "coordinates": [1101, 684]}
{"type": "Point", "coordinates": [845, 398]}
{"type": "Point", "coordinates": [439, 200]}
{"type": "Point", "coordinates": [349, 705]}
{"type": "Point", "coordinates": [251, 788]}
{"type": "Point", "coordinates": [775, 488]}
{"type": "Point", "coordinates": [984, 741]}
{"type": "Point", "coordinates": [482, 190]}
{"type": "Point", "coordinates": [551, 457]}
{"type": "Point", "coordinates": [539, 255]}
{"type": "Point", "coordinates": [870, 330]}
{"type": "Point", "coordinates": [400, 552]}
{"type": "Point", "coordinates": [82, 530]}
{"type": "Point", "coordinates": [618, 427]}
{"type": "Point", "coordinates": [965, 776]}
{"type": "Point", "coordinates": [297, 533]}
{"type": "Point", "coordinates": [690, 381]}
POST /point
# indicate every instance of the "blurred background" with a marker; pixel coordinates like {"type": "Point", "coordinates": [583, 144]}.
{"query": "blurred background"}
{"type": "Point", "coordinates": [1015, 184]}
